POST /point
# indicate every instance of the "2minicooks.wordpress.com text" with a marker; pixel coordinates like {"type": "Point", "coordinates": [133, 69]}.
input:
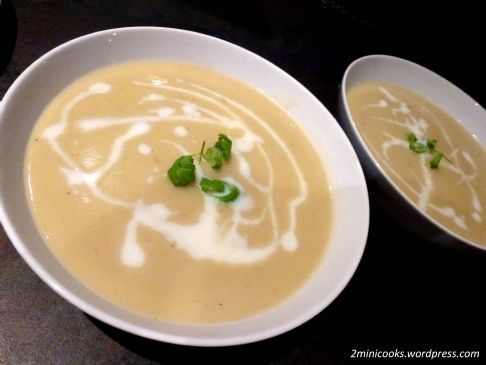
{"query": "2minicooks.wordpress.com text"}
{"type": "Point", "coordinates": [414, 354]}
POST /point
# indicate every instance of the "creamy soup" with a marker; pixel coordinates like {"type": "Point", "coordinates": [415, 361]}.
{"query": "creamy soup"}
{"type": "Point", "coordinates": [452, 192]}
{"type": "Point", "coordinates": [96, 179]}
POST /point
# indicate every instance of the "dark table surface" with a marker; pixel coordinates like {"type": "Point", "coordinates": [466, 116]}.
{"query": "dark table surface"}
{"type": "Point", "coordinates": [407, 293]}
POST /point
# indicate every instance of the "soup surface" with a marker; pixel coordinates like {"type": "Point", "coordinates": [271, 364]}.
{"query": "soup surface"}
{"type": "Point", "coordinates": [453, 192]}
{"type": "Point", "coordinates": [96, 179]}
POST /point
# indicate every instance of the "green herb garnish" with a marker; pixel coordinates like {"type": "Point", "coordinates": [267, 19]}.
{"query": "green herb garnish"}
{"type": "Point", "coordinates": [219, 189]}
{"type": "Point", "coordinates": [224, 144]}
{"type": "Point", "coordinates": [430, 147]}
{"type": "Point", "coordinates": [431, 144]}
{"type": "Point", "coordinates": [434, 163]}
{"type": "Point", "coordinates": [214, 157]}
{"type": "Point", "coordinates": [182, 172]}
{"type": "Point", "coordinates": [219, 153]}
{"type": "Point", "coordinates": [415, 146]}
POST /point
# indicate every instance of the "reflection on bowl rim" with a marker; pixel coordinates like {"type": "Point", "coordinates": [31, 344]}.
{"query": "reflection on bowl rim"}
{"type": "Point", "coordinates": [369, 156]}
{"type": "Point", "coordinates": [251, 329]}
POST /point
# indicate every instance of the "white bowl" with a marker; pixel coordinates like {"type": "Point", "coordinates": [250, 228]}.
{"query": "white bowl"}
{"type": "Point", "coordinates": [46, 77]}
{"type": "Point", "coordinates": [442, 93]}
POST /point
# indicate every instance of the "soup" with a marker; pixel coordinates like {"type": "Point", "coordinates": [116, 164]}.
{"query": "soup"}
{"type": "Point", "coordinates": [428, 154]}
{"type": "Point", "coordinates": [96, 180]}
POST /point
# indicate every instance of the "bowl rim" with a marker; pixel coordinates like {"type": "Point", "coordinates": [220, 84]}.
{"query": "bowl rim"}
{"type": "Point", "coordinates": [113, 320]}
{"type": "Point", "coordinates": [369, 155]}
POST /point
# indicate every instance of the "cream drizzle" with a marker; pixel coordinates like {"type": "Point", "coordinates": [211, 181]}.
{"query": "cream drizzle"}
{"type": "Point", "coordinates": [419, 126]}
{"type": "Point", "coordinates": [204, 239]}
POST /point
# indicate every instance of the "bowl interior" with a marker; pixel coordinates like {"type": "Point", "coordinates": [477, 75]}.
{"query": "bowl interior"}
{"type": "Point", "coordinates": [43, 80]}
{"type": "Point", "coordinates": [410, 75]}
